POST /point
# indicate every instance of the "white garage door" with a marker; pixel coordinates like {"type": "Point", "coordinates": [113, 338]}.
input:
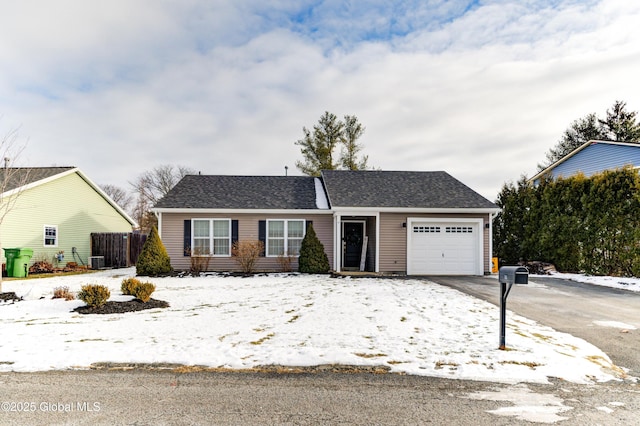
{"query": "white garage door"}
{"type": "Point", "coordinates": [443, 248]}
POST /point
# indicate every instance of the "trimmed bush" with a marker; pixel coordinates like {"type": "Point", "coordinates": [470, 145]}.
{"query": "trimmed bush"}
{"type": "Point", "coordinates": [246, 254]}
{"type": "Point", "coordinates": [143, 291]}
{"type": "Point", "coordinates": [128, 286]}
{"type": "Point", "coordinates": [312, 259]}
{"type": "Point", "coordinates": [94, 295]}
{"type": "Point", "coordinates": [153, 259]}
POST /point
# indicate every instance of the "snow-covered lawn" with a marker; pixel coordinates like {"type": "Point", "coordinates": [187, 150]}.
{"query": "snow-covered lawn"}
{"type": "Point", "coordinates": [631, 284]}
{"type": "Point", "coordinates": [411, 326]}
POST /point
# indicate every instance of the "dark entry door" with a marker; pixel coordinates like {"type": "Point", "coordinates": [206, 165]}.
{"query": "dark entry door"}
{"type": "Point", "coordinates": [353, 234]}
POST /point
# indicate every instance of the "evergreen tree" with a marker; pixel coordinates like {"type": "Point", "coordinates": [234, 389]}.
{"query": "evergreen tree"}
{"type": "Point", "coordinates": [153, 259]}
{"type": "Point", "coordinates": [580, 131]}
{"type": "Point", "coordinates": [312, 259]}
{"type": "Point", "coordinates": [352, 132]}
{"type": "Point", "coordinates": [317, 146]}
{"type": "Point", "coordinates": [619, 125]}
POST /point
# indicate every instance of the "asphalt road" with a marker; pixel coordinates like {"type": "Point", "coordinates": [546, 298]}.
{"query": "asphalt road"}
{"type": "Point", "coordinates": [575, 308]}
{"type": "Point", "coordinates": [143, 397]}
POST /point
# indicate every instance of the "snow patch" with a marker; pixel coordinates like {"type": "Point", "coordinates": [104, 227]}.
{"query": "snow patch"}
{"type": "Point", "coordinates": [321, 197]}
{"type": "Point", "coordinates": [614, 324]}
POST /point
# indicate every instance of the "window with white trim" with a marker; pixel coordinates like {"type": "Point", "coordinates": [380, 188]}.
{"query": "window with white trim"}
{"type": "Point", "coordinates": [284, 237]}
{"type": "Point", "coordinates": [211, 237]}
{"type": "Point", "coordinates": [50, 236]}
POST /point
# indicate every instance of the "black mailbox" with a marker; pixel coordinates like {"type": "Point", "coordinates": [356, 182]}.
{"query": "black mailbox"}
{"type": "Point", "coordinates": [513, 275]}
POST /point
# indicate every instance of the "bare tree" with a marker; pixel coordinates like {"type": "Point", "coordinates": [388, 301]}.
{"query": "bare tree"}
{"type": "Point", "coordinates": [12, 179]}
{"type": "Point", "coordinates": [120, 196]}
{"type": "Point", "coordinates": [150, 187]}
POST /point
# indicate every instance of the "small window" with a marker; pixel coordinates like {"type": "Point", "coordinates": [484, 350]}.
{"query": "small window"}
{"type": "Point", "coordinates": [211, 237]}
{"type": "Point", "coordinates": [459, 229]}
{"type": "Point", "coordinates": [50, 236]}
{"type": "Point", "coordinates": [284, 237]}
{"type": "Point", "coordinates": [426, 229]}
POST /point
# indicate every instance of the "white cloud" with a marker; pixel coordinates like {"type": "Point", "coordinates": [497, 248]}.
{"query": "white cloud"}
{"type": "Point", "coordinates": [481, 90]}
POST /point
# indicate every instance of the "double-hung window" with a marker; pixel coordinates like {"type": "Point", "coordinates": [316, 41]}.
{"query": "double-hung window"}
{"type": "Point", "coordinates": [284, 237]}
{"type": "Point", "coordinates": [211, 237]}
{"type": "Point", "coordinates": [50, 236]}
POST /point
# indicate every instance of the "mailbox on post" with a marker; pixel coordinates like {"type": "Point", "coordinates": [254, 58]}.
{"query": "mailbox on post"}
{"type": "Point", "coordinates": [514, 275]}
{"type": "Point", "coordinates": [508, 276]}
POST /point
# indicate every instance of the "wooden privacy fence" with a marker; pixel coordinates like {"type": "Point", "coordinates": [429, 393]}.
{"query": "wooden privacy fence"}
{"type": "Point", "coordinates": [119, 249]}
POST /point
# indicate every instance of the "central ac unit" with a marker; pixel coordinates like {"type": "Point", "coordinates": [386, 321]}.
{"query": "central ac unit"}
{"type": "Point", "coordinates": [96, 262]}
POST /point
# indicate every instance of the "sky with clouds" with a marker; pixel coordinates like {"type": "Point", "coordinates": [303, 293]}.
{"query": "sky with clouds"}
{"type": "Point", "coordinates": [480, 89]}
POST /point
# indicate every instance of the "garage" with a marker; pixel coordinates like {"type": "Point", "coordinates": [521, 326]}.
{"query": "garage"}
{"type": "Point", "coordinates": [444, 247]}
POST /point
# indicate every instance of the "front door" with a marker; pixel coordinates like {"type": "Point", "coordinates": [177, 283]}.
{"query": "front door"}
{"type": "Point", "coordinates": [352, 237]}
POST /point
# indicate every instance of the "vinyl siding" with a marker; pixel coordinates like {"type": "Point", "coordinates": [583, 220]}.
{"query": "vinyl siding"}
{"type": "Point", "coordinates": [172, 234]}
{"type": "Point", "coordinates": [393, 240]}
{"type": "Point", "coordinates": [69, 203]}
{"type": "Point", "coordinates": [598, 157]}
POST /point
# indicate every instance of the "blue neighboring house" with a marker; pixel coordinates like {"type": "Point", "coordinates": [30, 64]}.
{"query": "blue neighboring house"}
{"type": "Point", "coordinates": [591, 158]}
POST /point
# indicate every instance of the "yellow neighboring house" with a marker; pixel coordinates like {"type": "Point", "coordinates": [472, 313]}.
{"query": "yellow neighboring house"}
{"type": "Point", "coordinates": [53, 211]}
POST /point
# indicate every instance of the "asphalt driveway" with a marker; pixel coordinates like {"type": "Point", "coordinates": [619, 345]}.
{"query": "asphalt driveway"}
{"type": "Point", "coordinates": [593, 313]}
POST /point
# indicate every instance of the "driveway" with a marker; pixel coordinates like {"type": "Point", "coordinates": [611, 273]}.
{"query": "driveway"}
{"type": "Point", "coordinates": [606, 317]}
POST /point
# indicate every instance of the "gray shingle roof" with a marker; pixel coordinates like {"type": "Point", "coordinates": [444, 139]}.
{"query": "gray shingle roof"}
{"type": "Point", "coordinates": [242, 192]}
{"type": "Point", "coordinates": [400, 189]}
{"type": "Point", "coordinates": [21, 176]}
{"type": "Point", "coordinates": [344, 188]}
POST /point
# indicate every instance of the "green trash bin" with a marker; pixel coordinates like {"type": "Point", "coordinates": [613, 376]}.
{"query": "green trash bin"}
{"type": "Point", "coordinates": [21, 263]}
{"type": "Point", "coordinates": [10, 254]}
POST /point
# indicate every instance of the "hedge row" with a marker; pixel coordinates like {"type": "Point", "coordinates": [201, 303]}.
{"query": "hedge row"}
{"type": "Point", "coordinates": [579, 224]}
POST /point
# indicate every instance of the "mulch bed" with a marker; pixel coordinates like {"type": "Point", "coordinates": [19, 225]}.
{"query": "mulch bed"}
{"type": "Point", "coordinates": [9, 296]}
{"type": "Point", "coordinates": [122, 307]}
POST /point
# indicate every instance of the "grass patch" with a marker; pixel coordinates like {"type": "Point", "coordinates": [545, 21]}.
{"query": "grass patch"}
{"type": "Point", "coordinates": [532, 365]}
{"type": "Point", "coordinates": [363, 355]}
{"type": "Point", "coordinates": [441, 364]}
{"type": "Point", "coordinates": [262, 340]}
{"type": "Point", "coordinates": [293, 319]}
{"type": "Point", "coordinates": [542, 337]}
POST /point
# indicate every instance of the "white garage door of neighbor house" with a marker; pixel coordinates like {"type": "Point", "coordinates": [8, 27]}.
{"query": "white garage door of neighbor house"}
{"type": "Point", "coordinates": [443, 248]}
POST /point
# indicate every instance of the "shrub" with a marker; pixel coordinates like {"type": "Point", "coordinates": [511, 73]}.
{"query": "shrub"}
{"type": "Point", "coordinates": [246, 254]}
{"type": "Point", "coordinates": [286, 262]}
{"type": "Point", "coordinates": [128, 286]}
{"type": "Point", "coordinates": [94, 295]}
{"type": "Point", "coordinates": [153, 259]}
{"type": "Point", "coordinates": [312, 259]}
{"type": "Point", "coordinates": [199, 262]}
{"type": "Point", "coordinates": [143, 291]}
{"type": "Point", "coordinates": [63, 293]}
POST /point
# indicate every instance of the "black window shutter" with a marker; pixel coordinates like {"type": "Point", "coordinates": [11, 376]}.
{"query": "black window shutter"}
{"type": "Point", "coordinates": [262, 235]}
{"type": "Point", "coordinates": [187, 238]}
{"type": "Point", "coordinates": [234, 231]}
{"type": "Point", "coordinates": [309, 223]}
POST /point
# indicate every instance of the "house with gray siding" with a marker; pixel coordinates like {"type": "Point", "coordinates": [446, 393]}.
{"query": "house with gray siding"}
{"type": "Point", "coordinates": [416, 223]}
{"type": "Point", "coordinates": [593, 157]}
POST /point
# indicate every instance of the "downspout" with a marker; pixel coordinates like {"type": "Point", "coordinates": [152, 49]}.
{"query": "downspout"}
{"type": "Point", "coordinates": [377, 267]}
{"type": "Point", "coordinates": [159, 217]}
